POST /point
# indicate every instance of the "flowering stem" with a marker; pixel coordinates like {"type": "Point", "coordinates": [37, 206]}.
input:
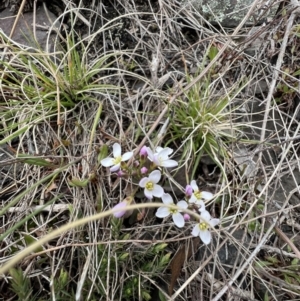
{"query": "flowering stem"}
{"type": "Point", "coordinates": [31, 248]}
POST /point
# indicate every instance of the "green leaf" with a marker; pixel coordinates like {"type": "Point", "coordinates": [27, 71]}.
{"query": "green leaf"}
{"type": "Point", "coordinates": [266, 297]}
{"type": "Point", "coordinates": [161, 296]}
{"type": "Point", "coordinates": [262, 263]}
{"type": "Point", "coordinates": [165, 260]}
{"type": "Point", "coordinates": [126, 236]}
{"type": "Point", "coordinates": [63, 278]}
{"type": "Point", "coordinates": [287, 278]}
{"type": "Point", "coordinates": [295, 261]}
{"type": "Point", "coordinates": [75, 182]}
{"type": "Point", "coordinates": [34, 160]}
{"type": "Point", "coordinates": [296, 73]}
{"type": "Point", "coordinates": [146, 296]}
{"type": "Point", "coordinates": [29, 240]}
{"type": "Point", "coordinates": [123, 256]}
{"type": "Point", "coordinates": [213, 51]}
{"type": "Point", "coordinates": [272, 260]}
{"type": "Point", "coordinates": [14, 135]}
{"type": "Point", "coordinates": [102, 153]}
{"type": "Point", "coordinates": [160, 247]}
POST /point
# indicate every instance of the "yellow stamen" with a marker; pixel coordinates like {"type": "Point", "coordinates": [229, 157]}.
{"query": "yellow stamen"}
{"type": "Point", "coordinates": [198, 195]}
{"type": "Point", "coordinates": [203, 226]}
{"type": "Point", "coordinates": [149, 186]}
{"type": "Point", "coordinates": [117, 160]}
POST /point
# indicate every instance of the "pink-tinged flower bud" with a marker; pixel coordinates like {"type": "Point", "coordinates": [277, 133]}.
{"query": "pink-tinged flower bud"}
{"type": "Point", "coordinates": [188, 190]}
{"type": "Point", "coordinates": [123, 204]}
{"type": "Point", "coordinates": [144, 170]}
{"type": "Point", "coordinates": [136, 163]}
{"type": "Point", "coordinates": [119, 214]}
{"type": "Point", "coordinates": [186, 217]}
{"type": "Point", "coordinates": [120, 173]}
{"type": "Point", "coordinates": [143, 151]}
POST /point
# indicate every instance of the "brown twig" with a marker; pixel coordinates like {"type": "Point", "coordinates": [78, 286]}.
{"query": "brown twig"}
{"type": "Point", "coordinates": [288, 241]}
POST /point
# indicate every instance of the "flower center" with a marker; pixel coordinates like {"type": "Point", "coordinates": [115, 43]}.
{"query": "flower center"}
{"type": "Point", "coordinates": [149, 186]}
{"type": "Point", "coordinates": [203, 226]}
{"type": "Point", "coordinates": [198, 195]}
{"type": "Point", "coordinates": [173, 211]}
{"type": "Point", "coordinates": [117, 160]}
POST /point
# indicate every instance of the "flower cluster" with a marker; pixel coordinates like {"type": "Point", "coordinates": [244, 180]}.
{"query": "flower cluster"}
{"type": "Point", "coordinates": [196, 201]}
{"type": "Point", "coordinates": [146, 168]}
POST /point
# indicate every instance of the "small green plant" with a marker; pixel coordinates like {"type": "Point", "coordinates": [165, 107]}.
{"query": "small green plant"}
{"type": "Point", "coordinates": [203, 120]}
{"type": "Point", "coordinates": [150, 261]}
{"type": "Point", "coordinates": [60, 285]}
{"type": "Point", "coordinates": [202, 124]}
{"type": "Point", "coordinates": [20, 284]}
{"type": "Point", "coordinates": [36, 85]}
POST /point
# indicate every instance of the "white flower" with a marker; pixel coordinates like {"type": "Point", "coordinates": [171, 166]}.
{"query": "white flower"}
{"type": "Point", "coordinates": [159, 149]}
{"type": "Point", "coordinates": [150, 185]}
{"type": "Point", "coordinates": [115, 162]}
{"type": "Point", "coordinates": [161, 157]}
{"type": "Point", "coordinates": [202, 228]}
{"type": "Point", "coordinates": [166, 211]}
{"type": "Point", "coordinates": [198, 197]}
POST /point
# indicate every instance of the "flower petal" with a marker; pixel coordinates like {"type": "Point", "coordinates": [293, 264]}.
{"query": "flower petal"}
{"type": "Point", "coordinates": [196, 230]}
{"type": "Point", "coordinates": [127, 156]}
{"type": "Point", "coordinates": [163, 154]}
{"type": "Point", "coordinates": [143, 151]}
{"type": "Point", "coordinates": [206, 195]}
{"type": "Point", "coordinates": [169, 163]}
{"type": "Point", "coordinates": [158, 149]}
{"type": "Point", "coordinates": [143, 182]}
{"type": "Point", "coordinates": [148, 194]}
{"type": "Point", "coordinates": [155, 176]}
{"type": "Point", "coordinates": [205, 236]}
{"type": "Point", "coordinates": [119, 206]}
{"type": "Point", "coordinates": [170, 150]}
{"type": "Point", "coordinates": [156, 160]}
{"type": "Point", "coordinates": [117, 150]}
{"type": "Point", "coordinates": [167, 199]}
{"type": "Point", "coordinates": [193, 199]}
{"type": "Point", "coordinates": [115, 168]}
{"type": "Point", "coordinates": [107, 162]}
{"type": "Point", "coordinates": [214, 221]}
{"type": "Point", "coordinates": [150, 153]}
{"type": "Point", "coordinates": [157, 191]}
{"type": "Point", "coordinates": [194, 185]}
{"type": "Point", "coordinates": [205, 216]}
{"type": "Point", "coordinates": [201, 205]}
{"type": "Point", "coordinates": [188, 190]}
{"type": "Point", "coordinates": [162, 212]}
{"type": "Point", "coordinates": [182, 204]}
{"type": "Point", "coordinates": [178, 220]}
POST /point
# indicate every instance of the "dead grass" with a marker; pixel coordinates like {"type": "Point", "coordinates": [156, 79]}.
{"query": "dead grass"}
{"type": "Point", "coordinates": [54, 153]}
